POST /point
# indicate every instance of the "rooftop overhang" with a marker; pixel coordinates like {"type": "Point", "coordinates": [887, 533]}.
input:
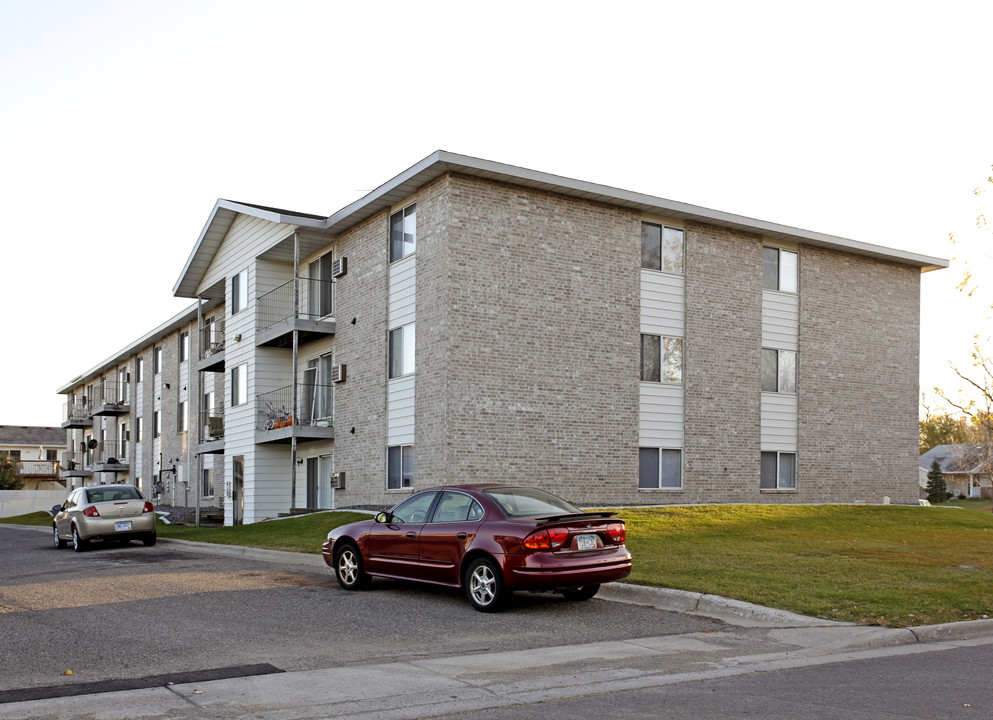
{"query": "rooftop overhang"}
{"type": "Point", "coordinates": [441, 162]}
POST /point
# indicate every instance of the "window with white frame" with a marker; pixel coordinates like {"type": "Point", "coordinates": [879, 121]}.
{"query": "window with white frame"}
{"type": "Point", "coordinates": [401, 360]}
{"type": "Point", "coordinates": [156, 424]}
{"type": "Point", "coordinates": [661, 359]}
{"type": "Point", "coordinates": [207, 482]}
{"type": "Point", "coordinates": [239, 384]}
{"type": "Point", "coordinates": [399, 467]}
{"type": "Point", "coordinates": [157, 360]}
{"type": "Point", "coordinates": [778, 471]}
{"type": "Point", "coordinates": [662, 248]}
{"type": "Point", "coordinates": [139, 369]}
{"type": "Point", "coordinates": [184, 346]}
{"type": "Point", "coordinates": [660, 468]}
{"type": "Point", "coordinates": [182, 423]}
{"type": "Point", "coordinates": [403, 233]}
{"type": "Point", "coordinates": [122, 440]}
{"type": "Point", "coordinates": [239, 292]}
{"type": "Point", "coordinates": [779, 269]}
{"type": "Point", "coordinates": [139, 429]}
{"type": "Point", "coordinates": [779, 370]}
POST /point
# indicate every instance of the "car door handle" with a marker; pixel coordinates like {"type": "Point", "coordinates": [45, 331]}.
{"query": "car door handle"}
{"type": "Point", "coordinates": [461, 536]}
{"type": "Point", "coordinates": [411, 534]}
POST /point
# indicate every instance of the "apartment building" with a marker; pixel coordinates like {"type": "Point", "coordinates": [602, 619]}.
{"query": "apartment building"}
{"type": "Point", "coordinates": [470, 321]}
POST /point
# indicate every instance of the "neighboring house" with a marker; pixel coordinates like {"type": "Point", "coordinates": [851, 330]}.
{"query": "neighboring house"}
{"type": "Point", "coordinates": [608, 346]}
{"type": "Point", "coordinates": [35, 452]}
{"type": "Point", "coordinates": [963, 467]}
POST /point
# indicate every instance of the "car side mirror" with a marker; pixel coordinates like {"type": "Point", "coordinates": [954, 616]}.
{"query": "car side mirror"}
{"type": "Point", "coordinates": [56, 509]}
{"type": "Point", "coordinates": [383, 517]}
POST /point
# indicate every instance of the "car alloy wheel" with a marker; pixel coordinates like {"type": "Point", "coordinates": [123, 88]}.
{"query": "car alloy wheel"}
{"type": "Point", "coordinates": [484, 586]}
{"type": "Point", "coordinates": [348, 569]}
{"type": "Point", "coordinates": [78, 544]}
{"type": "Point", "coordinates": [59, 542]}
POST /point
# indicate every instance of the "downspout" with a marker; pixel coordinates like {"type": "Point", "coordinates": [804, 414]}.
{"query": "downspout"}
{"type": "Point", "coordinates": [199, 414]}
{"type": "Point", "coordinates": [296, 360]}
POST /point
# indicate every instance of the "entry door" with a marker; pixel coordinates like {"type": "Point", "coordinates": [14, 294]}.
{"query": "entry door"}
{"type": "Point", "coordinates": [313, 481]}
{"type": "Point", "coordinates": [238, 490]}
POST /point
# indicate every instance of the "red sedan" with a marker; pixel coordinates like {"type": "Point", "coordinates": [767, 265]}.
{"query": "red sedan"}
{"type": "Point", "coordinates": [489, 540]}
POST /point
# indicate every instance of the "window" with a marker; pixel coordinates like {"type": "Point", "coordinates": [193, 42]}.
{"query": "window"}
{"type": "Point", "coordinates": [661, 248]}
{"type": "Point", "coordinates": [14, 455]}
{"type": "Point", "coordinates": [122, 440]}
{"type": "Point", "coordinates": [779, 370]}
{"type": "Point", "coordinates": [157, 360]}
{"type": "Point", "coordinates": [779, 269]}
{"type": "Point", "coordinates": [51, 455]}
{"type": "Point", "coordinates": [122, 385]}
{"type": "Point", "coordinates": [239, 385]}
{"type": "Point", "coordinates": [156, 424]}
{"type": "Point", "coordinates": [239, 292]}
{"type": "Point", "coordinates": [403, 233]}
{"type": "Point", "coordinates": [661, 359]}
{"type": "Point", "coordinates": [402, 351]}
{"type": "Point", "coordinates": [778, 471]}
{"type": "Point", "coordinates": [139, 369]}
{"type": "Point", "coordinates": [184, 346]}
{"type": "Point", "coordinates": [139, 429]}
{"type": "Point", "coordinates": [660, 468]}
{"type": "Point", "coordinates": [182, 423]}
{"type": "Point", "coordinates": [457, 507]}
{"type": "Point", "coordinates": [319, 287]}
{"type": "Point", "coordinates": [400, 467]}
{"type": "Point", "coordinates": [207, 483]}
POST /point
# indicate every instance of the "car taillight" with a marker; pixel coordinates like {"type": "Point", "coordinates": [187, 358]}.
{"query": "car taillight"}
{"type": "Point", "coordinates": [148, 508]}
{"type": "Point", "coordinates": [91, 511]}
{"type": "Point", "coordinates": [617, 532]}
{"type": "Point", "coordinates": [550, 539]}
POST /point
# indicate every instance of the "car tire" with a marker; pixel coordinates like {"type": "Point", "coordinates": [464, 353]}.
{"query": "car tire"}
{"type": "Point", "coordinates": [59, 542]}
{"type": "Point", "coordinates": [349, 568]}
{"type": "Point", "coordinates": [581, 593]}
{"type": "Point", "coordinates": [149, 540]}
{"type": "Point", "coordinates": [78, 544]}
{"type": "Point", "coordinates": [484, 586]}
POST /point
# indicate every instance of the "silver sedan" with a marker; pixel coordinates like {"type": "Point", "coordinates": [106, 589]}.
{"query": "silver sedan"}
{"type": "Point", "coordinates": [114, 513]}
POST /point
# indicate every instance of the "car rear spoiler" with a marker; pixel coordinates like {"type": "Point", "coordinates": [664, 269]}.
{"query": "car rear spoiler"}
{"type": "Point", "coordinates": [575, 516]}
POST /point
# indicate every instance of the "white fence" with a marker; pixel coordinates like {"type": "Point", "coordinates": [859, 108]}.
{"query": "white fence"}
{"type": "Point", "coordinates": [22, 502]}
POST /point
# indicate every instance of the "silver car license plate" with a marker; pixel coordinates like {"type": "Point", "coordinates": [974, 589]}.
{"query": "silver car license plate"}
{"type": "Point", "coordinates": [586, 542]}
{"type": "Point", "coordinates": [122, 526]}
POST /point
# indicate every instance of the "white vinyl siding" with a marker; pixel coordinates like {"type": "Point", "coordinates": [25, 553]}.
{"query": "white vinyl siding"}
{"type": "Point", "coordinates": [663, 304]}
{"type": "Point", "coordinates": [780, 320]}
{"type": "Point", "coordinates": [660, 416]}
{"type": "Point", "coordinates": [400, 398]}
{"type": "Point", "coordinates": [779, 422]}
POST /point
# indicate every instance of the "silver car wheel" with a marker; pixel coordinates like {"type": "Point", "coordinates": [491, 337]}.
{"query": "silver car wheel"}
{"type": "Point", "coordinates": [78, 544]}
{"type": "Point", "coordinates": [59, 542]}
{"type": "Point", "coordinates": [482, 585]}
{"type": "Point", "coordinates": [348, 568]}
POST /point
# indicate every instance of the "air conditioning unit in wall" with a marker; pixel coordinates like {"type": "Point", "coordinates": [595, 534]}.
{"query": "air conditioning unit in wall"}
{"type": "Point", "coordinates": [338, 480]}
{"type": "Point", "coordinates": [339, 267]}
{"type": "Point", "coordinates": [338, 374]}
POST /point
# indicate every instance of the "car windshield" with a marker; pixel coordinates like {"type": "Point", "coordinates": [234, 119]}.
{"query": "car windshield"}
{"type": "Point", "coordinates": [517, 502]}
{"type": "Point", "coordinates": [116, 493]}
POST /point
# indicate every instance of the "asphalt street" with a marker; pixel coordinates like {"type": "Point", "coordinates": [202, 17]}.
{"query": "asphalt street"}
{"type": "Point", "coordinates": [309, 650]}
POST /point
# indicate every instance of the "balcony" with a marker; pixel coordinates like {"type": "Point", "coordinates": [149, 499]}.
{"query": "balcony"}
{"type": "Point", "coordinates": [212, 346]}
{"type": "Point", "coordinates": [111, 398]}
{"type": "Point", "coordinates": [106, 458]}
{"type": "Point", "coordinates": [276, 316]}
{"type": "Point", "coordinates": [38, 469]}
{"type": "Point", "coordinates": [276, 423]}
{"type": "Point", "coordinates": [75, 464]}
{"type": "Point", "coordinates": [77, 414]}
{"type": "Point", "coordinates": [211, 440]}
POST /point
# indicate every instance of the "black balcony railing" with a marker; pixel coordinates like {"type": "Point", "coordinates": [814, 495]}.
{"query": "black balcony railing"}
{"type": "Point", "coordinates": [316, 302]}
{"type": "Point", "coordinates": [212, 338]}
{"type": "Point", "coordinates": [212, 424]}
{"type": "Point", "coordinates": [78, 411]}
{"type": "Point", "coordinates": [76, 461]}
{"type": "Point", "coordinates": [110, 392]}
{"type": "Point", "coordinates": [275, 409]}
{"type": "Point", "coordinates": [109, 453]}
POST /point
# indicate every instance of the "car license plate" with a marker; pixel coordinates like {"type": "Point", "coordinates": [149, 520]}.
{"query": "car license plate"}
{"type": "Point", "coordinates": [122, 526]}
{"type": "Point", "coordinates": [586, 542]}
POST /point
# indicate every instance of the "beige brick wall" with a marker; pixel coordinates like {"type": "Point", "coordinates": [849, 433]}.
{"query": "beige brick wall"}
{"type": "Point", "coordinates": [858, 387]}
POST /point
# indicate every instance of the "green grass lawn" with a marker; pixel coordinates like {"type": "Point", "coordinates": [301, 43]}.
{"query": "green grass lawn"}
{"type": "Point", "coordinates": [879, 565]}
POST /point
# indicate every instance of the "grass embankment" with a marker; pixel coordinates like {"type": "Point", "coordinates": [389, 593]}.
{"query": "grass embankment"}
{"type": "Point", "coordinates": [884, 565]}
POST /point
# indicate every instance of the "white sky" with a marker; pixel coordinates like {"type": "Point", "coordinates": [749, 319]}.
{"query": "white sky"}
{"type": "Point", "coordinates": [122, 122]}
